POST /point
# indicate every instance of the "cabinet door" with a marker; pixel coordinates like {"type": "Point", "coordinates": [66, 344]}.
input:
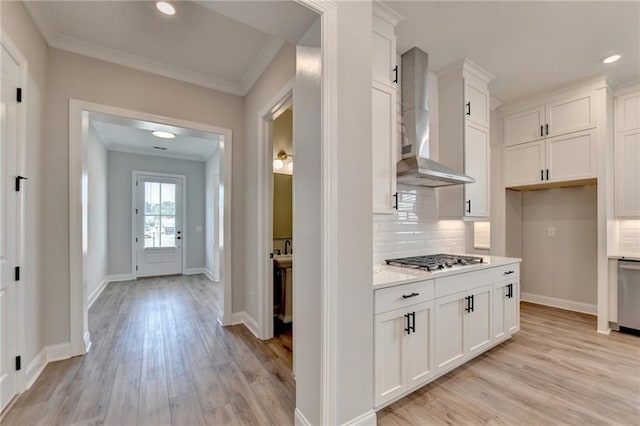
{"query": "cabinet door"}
{"type": "Point", "coordinates": [384, 52]}
{"type": "Point", "coordinates": [383, 136]}
{"type": "Point", "coordinates": [572, 157]}
{"type": "Point", "coordinates": [524, 163]}
{"type": "Point", "coordinates": [571, 115]}
{"type": "Point", "coordinates": [500, 296]}
{"type": "Point", "coordinates": [513, 308]}
{"type": "Point", "coordinates": [627, 112]}
{"type": "Point", "coordinates": [449, 323]}
{"type": "Point", "coordinates": [627, 154]}
{"type": "Point", "coordinates": [390, 374]}
{"type": "Point", "coordinates": [476, 103]}
{"type": "Point", "coordinates": [478, 321]}
{"type": "Point", "coordinates": [419, 348]}
{"type": "Point", "coordinates": [476, 150]}
{"type": "Point", "coordinates": [525, 126]}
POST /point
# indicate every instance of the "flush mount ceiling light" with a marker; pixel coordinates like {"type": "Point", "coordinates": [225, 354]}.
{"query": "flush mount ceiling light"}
{"type": "Point", "coordinates": [166, 7]}
{"type": "Point", "coordinates": [611, 59]}
{"type": "Point", "coordinates": [278, 162]}
{"type": "Point", "coordinates": [163, 135]}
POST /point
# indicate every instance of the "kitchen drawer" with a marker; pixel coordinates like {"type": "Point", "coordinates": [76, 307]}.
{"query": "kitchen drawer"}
{"type": "Point", "coordinates": [462, 282]}
{"type": "Point", "coordinates": [506, 272]}
{"type": "Point", "coordinates": [391, 298]}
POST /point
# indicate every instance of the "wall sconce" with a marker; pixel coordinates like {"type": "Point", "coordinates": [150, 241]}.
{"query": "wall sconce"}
{"type": "Point", "coordinates": [281, 158]}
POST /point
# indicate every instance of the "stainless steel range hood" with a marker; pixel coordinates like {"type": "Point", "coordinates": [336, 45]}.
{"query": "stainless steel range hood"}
{"type": "Point", "coordinates": [416, 166]}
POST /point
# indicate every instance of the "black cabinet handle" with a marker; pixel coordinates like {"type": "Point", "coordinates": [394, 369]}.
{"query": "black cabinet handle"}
{"type": "Point", "coordinates": [547, 174]}
{"type": "Point", "coordinates": [408, 327]}
{"type": "Point", "coordinates": [547, 126]}
{"type": "Point", "coordinates": [395, 73]}
{"type": "Point", "coordinates": [509, 272]}
{"type": "Point", "coordinates": [412, 315]}
{"type": "Point", "coordinates": [468, 105]}
{"type": "Point", "coordinates": [510, 295]}
{"type": "Point", "coordinates": [18, 180]}
{"type": "Point", "coordinates": [541, 130]}
{"type": "Point", "coordinates": [541, 174]}
{"type": "Point", "coordinates": [472, 303]}
{"type": "Point", "coordinates": [467, 300]}
{"type": "Point", "coordinates": [468, 206]}
{"type": "Point", "coordinates": [407, 296]}
{"type": "Point", "coordinates": [395, 204]}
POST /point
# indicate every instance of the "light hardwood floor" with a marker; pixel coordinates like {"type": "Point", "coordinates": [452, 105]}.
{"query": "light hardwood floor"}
{"type": "Point", "coordinates": [160, 357]}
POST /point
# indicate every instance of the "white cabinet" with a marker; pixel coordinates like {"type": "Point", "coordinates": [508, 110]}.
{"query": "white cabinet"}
{"type": "Point", "coordinates": [558, 117]}
{"type": "Point", "coordinates": [627, 155]}
{"type": "Point", "coordinates": [506, 312]}
{"type": "Point", "coordinates": [565, 158]}
{"type": "Point", "coordinates": [464, 116]}
{"type": "Point", "coordinates": [384, 109]}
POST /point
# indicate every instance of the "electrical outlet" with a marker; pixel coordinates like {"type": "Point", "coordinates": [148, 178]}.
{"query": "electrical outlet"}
{"type": "Point", "coordinates": [551, 231]}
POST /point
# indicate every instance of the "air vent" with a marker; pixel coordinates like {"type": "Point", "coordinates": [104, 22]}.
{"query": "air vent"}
{"type": "Point", "coordinates": [161, 148]}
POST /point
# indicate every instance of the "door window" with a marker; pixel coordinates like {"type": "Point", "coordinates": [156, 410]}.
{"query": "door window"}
{"type": "Point", "coordinates": [159, 215]}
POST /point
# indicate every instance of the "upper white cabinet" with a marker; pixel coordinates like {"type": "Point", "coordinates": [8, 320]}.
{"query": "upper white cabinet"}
{"type": "Point", "coordinates": [464, 116]}
{"type": "Point", "coordinates": [551, 144]}
{"type": "Point", "coordinates": [627, 155]}
{"type": "Point", "coordinates": [385, 74]}
{"type": "Point", "coordinates": [559, 117]}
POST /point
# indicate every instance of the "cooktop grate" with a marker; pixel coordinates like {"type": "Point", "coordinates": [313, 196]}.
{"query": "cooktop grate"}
{"type": "Point", "coordinates": [434, 262]}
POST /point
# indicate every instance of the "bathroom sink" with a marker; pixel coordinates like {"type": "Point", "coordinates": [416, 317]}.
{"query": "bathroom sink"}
{"type": "Point", "coordinates": [283, 260]}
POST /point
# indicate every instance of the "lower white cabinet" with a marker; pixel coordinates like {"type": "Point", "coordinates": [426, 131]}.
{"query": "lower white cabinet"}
{"type": "Point", "coordinates": [403, 351]}
{"type": "Point", "coordinates": [506, 312]}
{"type": "Point", "coordinates": [463, 326]}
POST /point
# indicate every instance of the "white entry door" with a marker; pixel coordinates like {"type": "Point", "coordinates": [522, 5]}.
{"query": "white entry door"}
{"type": "Point", "coordinates": [159, 226]}
{"type": "Point", "coordinates": [8, 228]}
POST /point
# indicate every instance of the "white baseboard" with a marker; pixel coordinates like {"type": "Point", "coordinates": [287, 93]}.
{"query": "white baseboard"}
{"type": "Point", "coordinates": [244, 318]}
{"type": "Point", "coordinates": [97, 292]}
{"type": "Point", "coordinates": [120, 277]}
{"type": "Point", "coordinates": [569, 305]}
{"type": "Point", "coordinates": [209, 274]}
{"type": "Point", "coordinates": [367, 419]}
{"type": "Point", "coordinates": [87, 342]}
{"type": "Point", "coordinates": [194, 271]}
{"type": "Point", "coordinates": [45, 356]}
{"type": "Point", "coordinates": [300, 419]}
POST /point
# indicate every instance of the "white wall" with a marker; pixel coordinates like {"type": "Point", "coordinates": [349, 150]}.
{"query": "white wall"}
{"type": "Point", "coordinates": [212, 218]}
{"type": "Point", "coordinates": [78, 77]}
{"type": "Point", "coordinates": [563, 266]}
{"type": "Point", "coordinates": [121, 166]}
{"type": "Point", "coordinates": [18, 25]}
{"type": "Point", "coordinates": [278, 73]}
{"type": "Point", "coordinates": [97, 212]}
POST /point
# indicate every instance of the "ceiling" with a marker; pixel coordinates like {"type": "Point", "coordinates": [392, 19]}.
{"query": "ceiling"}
{"type": "Point", "coordinates": [530, 47]}
{"type": "Point", "coordinates": [134, 136]}
{"type": "Point", "coordinates": [220, 45]}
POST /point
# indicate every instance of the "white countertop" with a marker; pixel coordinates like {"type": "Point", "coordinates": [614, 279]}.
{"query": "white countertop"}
{"type": "Point", "coordinates": [632, 256]}
{"type": "Point", "coordinates": [389, 276]}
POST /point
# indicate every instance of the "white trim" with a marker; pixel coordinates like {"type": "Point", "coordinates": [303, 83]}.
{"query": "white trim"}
{"type": "Point", "coordinates": [367, 419]}
{"type": "Point", "coordinates": [78, 324]}
{"type": "Point", "coordinates": [97, 292]}
{"type": "Point", "coordinates": [300, 419]}
{"type": "Point", "coordinates": [120, 277]}
{"type": "Point", "coordinates": [585, 308]}
{"type": "Point", "coordinates": [195, 271]}
{"type": "Point", "coordinates": [58, 352]}
{"type": "Point", "coordinates": [48, 354]}
{"type": "Point", "coordinates": [135, 175]}
{"type": "Point", "coordinates": [273, 107]}
{"type": "Point", "coordinates": [87, 341]}
{"type": "Point", "coordinates": [209, 275]}
{"type": "Point", "coordinates": [245, 319]}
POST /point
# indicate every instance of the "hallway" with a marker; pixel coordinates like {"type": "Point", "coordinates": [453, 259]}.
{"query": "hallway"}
{"type": "Point", "coordinates": [159, 356]}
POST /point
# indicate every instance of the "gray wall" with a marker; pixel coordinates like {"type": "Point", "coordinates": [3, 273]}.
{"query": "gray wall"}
{"type": "Point", "coordinates": [121, 166]}
{"type": "Point", "coordinates": [562, 266]}
{"type": "Point", "coordinates": [97, 212]}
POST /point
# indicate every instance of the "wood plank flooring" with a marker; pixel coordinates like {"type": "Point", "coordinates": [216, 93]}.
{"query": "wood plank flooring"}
{"type": "Point", "coordinates": [159, 356]}
{"type": "Point", "coordinates": [556, 370]}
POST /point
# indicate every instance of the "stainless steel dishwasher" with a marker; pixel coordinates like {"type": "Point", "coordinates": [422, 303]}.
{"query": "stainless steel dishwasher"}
{"type": "Point", "coordinates": [629, 296]}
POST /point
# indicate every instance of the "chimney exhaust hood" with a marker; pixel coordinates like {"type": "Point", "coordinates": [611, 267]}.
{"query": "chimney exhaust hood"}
{"type": "Point", "coordinates": [416, 167]}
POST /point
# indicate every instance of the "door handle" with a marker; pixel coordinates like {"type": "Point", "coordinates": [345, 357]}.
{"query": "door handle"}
{"type": "Point", "coordinates": [541, 174]}
{"type": "Point", "coordinates": [178, 237]}
{"type": "Point", "coordinates": [547, 174]}
{"type": "Point", "coordinates": [541, 130]}
{"type": "Point", "coordinates": [468, 108]}
{"type": "Point", "coordinates": [408, 327]}
{"type": "Point", "coordinates": [413, 321]}
{"type": "Point", "coordinates": [395, 205]}
{"type": "Point", "coordinates": [407, 296]}
{"type": "Point", "coordinates": [547, 126]}
{"type": "Point", "coordinates": [395, 73]}
{"type": "Point", "coordinates": [467, 299]}
{"type": "Point", "coordinates": [469, 206]}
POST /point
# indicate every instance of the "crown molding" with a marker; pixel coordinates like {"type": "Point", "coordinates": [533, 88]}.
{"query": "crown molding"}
{"type": "Point", "coordinates": [57, 39]}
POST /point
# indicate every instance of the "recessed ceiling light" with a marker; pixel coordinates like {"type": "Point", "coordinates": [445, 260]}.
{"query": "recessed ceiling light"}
{"type": "Point", "coordinates": [166, 7]}
{"type": "Point", "coordinates": [163, 135]}
{"type": "Point", "coordinates": [611, 59]}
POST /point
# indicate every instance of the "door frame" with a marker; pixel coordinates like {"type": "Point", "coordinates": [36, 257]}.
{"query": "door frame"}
{"type": "Point", "coordinates": [21, 214]}
{"type": "Point", "coordinates": [282, 100]}
{"type": "Point", "coordinates": [80, 339]}
{"type": "Point", "coordinates": [135, 174]}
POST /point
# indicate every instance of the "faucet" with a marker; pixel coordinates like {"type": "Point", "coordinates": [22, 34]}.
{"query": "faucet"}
{"type": "Point", "coordinates": [287, 243]}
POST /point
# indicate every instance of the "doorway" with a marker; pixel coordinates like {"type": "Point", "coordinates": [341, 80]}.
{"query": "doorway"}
{"type": "Point", "coordinates": [158, 223]}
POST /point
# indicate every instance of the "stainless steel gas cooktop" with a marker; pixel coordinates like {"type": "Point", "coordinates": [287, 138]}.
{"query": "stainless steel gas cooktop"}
{"type": "Point", "coordinates": [434, 262]}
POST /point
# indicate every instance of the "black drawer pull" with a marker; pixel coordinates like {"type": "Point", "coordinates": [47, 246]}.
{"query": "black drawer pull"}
{"type": "Point", "coordinates": [510, 272]}
{"type": "Point", "coordinates": [406, 296]}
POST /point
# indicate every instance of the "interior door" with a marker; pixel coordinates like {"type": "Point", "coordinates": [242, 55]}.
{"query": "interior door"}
{"type": "Point", "coordinates": [8, 228]}
{"type": "Point", "coordinates": [159, 226]}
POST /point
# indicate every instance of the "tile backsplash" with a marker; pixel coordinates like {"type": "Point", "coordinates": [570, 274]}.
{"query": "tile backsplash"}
{"type": "Point", "coordinates": [415, 229]}
{"type": "Point", "coordinates": [629, 236]}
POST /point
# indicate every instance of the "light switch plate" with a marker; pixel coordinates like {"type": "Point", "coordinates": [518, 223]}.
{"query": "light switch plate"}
{"type": "Point", "coordinates": [551, 231]}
